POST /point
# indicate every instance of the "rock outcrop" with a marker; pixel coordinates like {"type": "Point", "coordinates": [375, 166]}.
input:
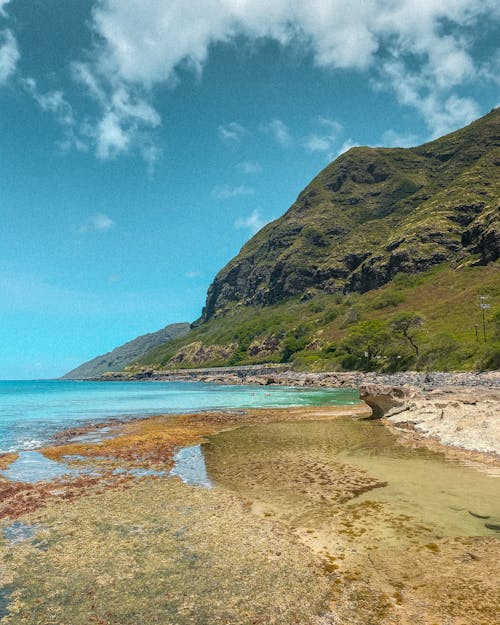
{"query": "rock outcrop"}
{"type": "Point", "coordinates": [466, 418]}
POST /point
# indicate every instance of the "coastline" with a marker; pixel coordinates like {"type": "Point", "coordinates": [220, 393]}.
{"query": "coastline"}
{"type": "Point", "coordinates": [259, 558]}
{"type": "Point", "coordinates": [361, 561]}
{"type": "Point", "coordinates": [146, 443]}
{"type": "Point", "coordinates": [449, 411]}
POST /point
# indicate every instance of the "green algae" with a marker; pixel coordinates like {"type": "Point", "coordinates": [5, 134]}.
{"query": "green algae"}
{"type": "Point", "coordinates": [161, 552]}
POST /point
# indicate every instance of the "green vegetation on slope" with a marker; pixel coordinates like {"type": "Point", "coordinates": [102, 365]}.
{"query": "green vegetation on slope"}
{"type": "Point", "coordinates": [371, 215]}
{"type": "Point", "coordinates": [378, 265]}
{"type": "Point", "coordinates": [427, 321]}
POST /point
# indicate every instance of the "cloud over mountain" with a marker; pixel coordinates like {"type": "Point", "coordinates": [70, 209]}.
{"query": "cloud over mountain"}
{"type": "Point", "coordinates": [419, 49]}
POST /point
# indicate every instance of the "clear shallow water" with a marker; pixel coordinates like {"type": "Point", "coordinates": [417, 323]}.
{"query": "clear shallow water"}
{"type": "Point", "coordinates": [190, 466]}
{"type": "Point", "coordinates": [32, 466]}
{"type": "Point", "coordinates": [18, 532]}
{"type": "Point", "coordinates": [287, 466]}
{"type": "Point", "coordinates": [33, 411]}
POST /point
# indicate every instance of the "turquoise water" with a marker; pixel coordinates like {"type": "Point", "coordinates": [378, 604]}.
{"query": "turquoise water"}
{"type": "Point", "coordinates": [31, 412]}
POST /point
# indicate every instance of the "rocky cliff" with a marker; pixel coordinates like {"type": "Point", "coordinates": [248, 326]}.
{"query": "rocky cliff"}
{"type": "Point", "coordinates": [370, 215]}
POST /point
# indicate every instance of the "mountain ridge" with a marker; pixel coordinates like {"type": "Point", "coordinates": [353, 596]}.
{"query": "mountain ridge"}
{"type": "Point", "coordinates": [123, 355]}
{"type": "Point", "coordinates": [371, 214]}
{"type": "Point", "coordinates": [381, 264]}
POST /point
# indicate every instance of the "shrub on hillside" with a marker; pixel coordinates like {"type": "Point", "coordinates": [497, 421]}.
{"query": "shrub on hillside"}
{"type": "Point", "coordinates": [490, 360]}
{"type": "Point", "coordinates": [387, 300]}
{"type": "Point", "coordinates": [442, 353]}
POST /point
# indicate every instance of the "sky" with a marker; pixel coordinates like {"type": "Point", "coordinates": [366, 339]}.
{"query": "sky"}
{"type": "Point", "coordinates": [142, 142]}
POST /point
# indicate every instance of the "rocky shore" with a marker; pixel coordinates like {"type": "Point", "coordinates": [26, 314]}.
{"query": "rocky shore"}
{"type": "Point", "coordinates": [460, 410]}
{"type": "Point", "coordinates": [283, 374]}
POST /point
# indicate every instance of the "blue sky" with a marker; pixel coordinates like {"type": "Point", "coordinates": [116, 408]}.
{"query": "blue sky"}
{"type": "Point", "coordinates": [142, 142]}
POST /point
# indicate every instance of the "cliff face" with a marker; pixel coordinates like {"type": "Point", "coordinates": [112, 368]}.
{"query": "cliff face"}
{"type": "Point", "coordinates": [122, 356]}
{"type": "Point", "coordinates": [371, 214]}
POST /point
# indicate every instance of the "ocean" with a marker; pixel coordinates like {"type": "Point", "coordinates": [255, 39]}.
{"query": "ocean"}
{"type": "Point", "coordinates": [31, 412]}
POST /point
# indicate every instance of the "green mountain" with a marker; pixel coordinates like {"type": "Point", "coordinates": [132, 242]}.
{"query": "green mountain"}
{"type": "Point", "coordinates": [370, 215]}
{"type": "Point", "coordinates": [387, 260]}
{"type": "Point", "coordinates": [379, 264]}
{"type": "Point", "coordinates": [122, 356]}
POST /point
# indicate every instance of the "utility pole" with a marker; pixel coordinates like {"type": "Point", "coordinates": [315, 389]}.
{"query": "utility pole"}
{"type": "Point", "coordinates": [476, 326]}
{"type": "Point", "coordinates": [483, 306]}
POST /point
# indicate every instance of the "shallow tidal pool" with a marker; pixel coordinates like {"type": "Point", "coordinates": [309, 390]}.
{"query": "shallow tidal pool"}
{"type": "Point", "coordinates": [357, 530]}
{"type": "Point", "coordinates": [304, 472]}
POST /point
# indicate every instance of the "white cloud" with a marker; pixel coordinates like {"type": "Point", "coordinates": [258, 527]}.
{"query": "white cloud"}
{"type": "Point", "coordinates": [97, 223]}
{"type": "Point", "coordinates": [324, 140]}
{"type": "Point", "coordinates": [420, 49]}
{"type": "Point", "coordinates": [449, 114]}
{"type": "Point", "coordinates": [249, 167]}
{"type": "Point", "coordinates": [231, 132]}
{"type": "Point", "coordinates": [394, 139]}
{"type": "Point", "coordinates": [9, 49]}
{"type": "Point", "coordinates": [111, 137]}
{"type": "Point", "coordinates": [279, 131]}
{"type": "Point", "coordinates": [55, 102]}
{"type": "Point", "coordinates": [9, 54]}
{"type": "Point", "coordinates": [442, 111]}
{"type": "Point", "coordinates": [252, 222]}
{"type": "Point", "coordinates": [192, 274]}
{"type": "Point", "coordinates": [225, 192]}
{"type": "Point", "coordinates": [3, 3]}
{"type": "Point", "coordinates": [316, 143]}
{"type": "Point", "coordinates": [124, 118]}
{"type": "Point", "coordinates": [145, 42]}
{"type": "Point", "coordinates": [347, 145]}
{"type": "Point", "coordinates": [490, 72]}
{"type": "Point", "coordinates": [151, 154]}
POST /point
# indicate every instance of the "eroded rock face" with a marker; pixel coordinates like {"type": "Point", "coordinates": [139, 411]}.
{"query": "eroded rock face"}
{"type": "Point", "coordinates": [483, 236]}
{"type": "Point", "coordinates": [466, 418]}
{"type": "Point", "coordinates": [371, 215]}
{"type": "Point", "coordinates": [264, 347]}
{"type": "Point", "coordinates": [386, 400]}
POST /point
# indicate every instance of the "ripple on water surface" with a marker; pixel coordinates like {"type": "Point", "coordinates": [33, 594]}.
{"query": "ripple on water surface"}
{"type": "Point", "coordinates": [190, 466]}
{"type": "Point", "coordinates": [31, 412]}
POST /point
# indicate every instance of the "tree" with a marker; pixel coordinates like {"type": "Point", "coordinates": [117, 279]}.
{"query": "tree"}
{"type": "Point", "coordinates": [406, 325]}
{"type": "Point", "coordinates": [367, 341]}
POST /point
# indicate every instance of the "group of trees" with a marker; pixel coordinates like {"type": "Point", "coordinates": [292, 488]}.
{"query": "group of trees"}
{"type": "Point", "coordinates": [396, 342]}
{"type": "Point", "coordinates": [379, 344]}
